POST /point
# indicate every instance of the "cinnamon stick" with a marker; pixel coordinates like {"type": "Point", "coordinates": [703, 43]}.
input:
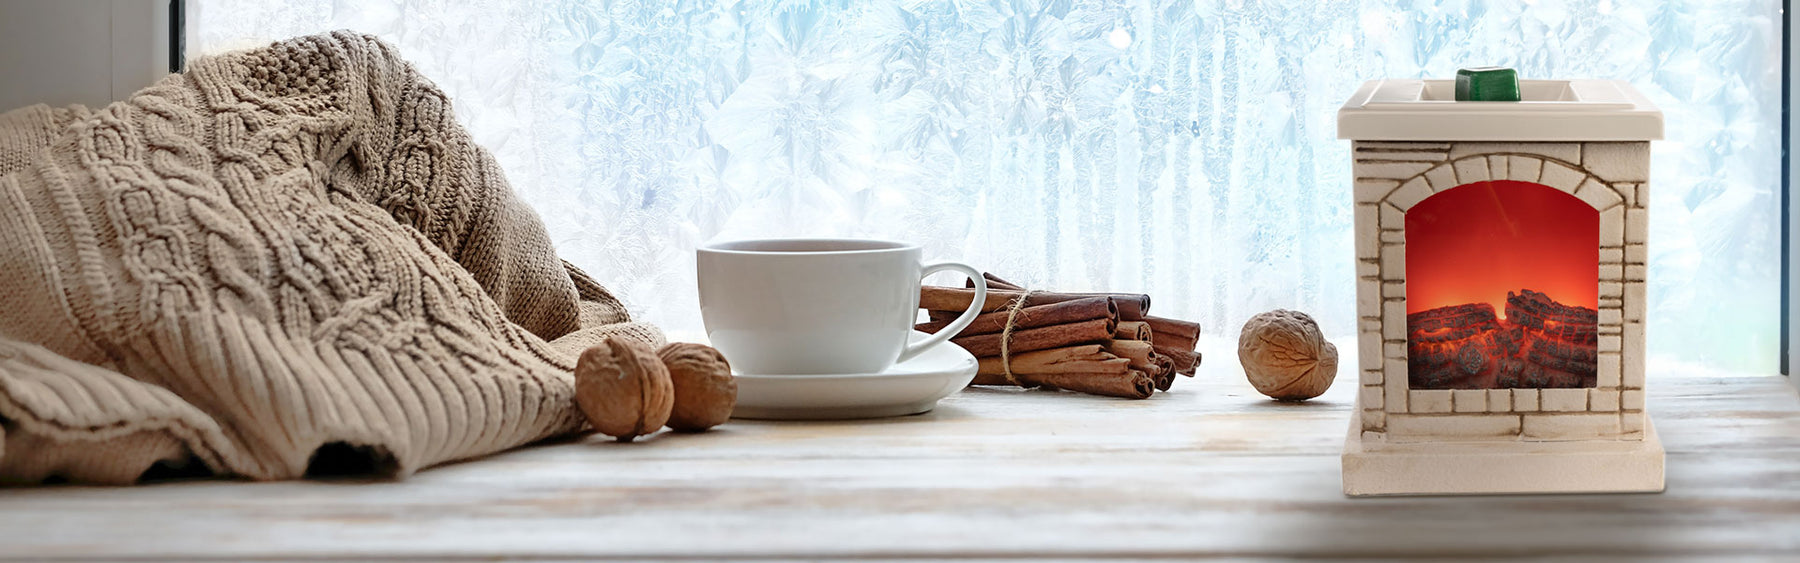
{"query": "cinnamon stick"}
{"type": "Point", "coordinates": [1088, 358]}
{"type": "Point", "coordinates": [1187, 362]}
{"type": "Point", "coordinates": [937, 298]}
{"type": "Point", "coordinates": [1142, 354]}
{"type": "Point", "coordinates": [1132, 306]}
{"type": "Point", "coordinates": [1032, 317]}
{"type": "Point", "coordinates": [1131, 384]}
{"type": "Point", "coordinates": [1041, 338]}
{"type": "Point", "coordinates": [994, 282]}
{"type": "Point", "coordinates": [1174, 333]}
{"type": "Point", "coordinates": [1077, 367]}
{"type": "Point", "coordinates": [1165, 373]}
{"type": "Point", "coordinates": [1134, 330]}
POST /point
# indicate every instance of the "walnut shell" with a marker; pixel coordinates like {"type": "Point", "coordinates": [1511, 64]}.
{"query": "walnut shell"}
{"type": "Point", "coordinates": [1286, 357]}
{"type": "Point", "coordinates": [704, 389]}
{"type": "Point", "coordinates": [623, 388]}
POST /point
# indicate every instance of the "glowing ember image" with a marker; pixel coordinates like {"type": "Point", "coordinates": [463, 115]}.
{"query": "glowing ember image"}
{"type": "Point", "coordinates": [1502, 285]}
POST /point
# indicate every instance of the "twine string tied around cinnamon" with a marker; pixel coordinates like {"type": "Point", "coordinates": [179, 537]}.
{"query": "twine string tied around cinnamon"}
{"type": "Point", "coordinates": [1012, 315]}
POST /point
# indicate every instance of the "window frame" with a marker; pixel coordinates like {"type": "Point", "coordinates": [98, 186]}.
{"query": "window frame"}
{"type": "Point", "coordinates": [1788, 215]}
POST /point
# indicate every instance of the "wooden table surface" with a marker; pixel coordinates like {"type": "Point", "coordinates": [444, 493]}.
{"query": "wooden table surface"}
{"type": "Point", "coordinates": [1209, 470]}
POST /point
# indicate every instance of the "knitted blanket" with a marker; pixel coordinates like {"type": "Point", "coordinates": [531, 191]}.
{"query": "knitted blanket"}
{"type": "Point", "coordinates": [280, 257]}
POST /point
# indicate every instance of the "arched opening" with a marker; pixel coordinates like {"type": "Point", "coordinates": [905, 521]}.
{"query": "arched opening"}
{"type": "Point", "coordinates": [1502, 287]}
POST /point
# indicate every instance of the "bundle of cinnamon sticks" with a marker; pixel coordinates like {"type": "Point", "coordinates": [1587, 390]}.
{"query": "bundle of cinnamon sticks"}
{"type": "Point", "coordinates": [1096, 343]}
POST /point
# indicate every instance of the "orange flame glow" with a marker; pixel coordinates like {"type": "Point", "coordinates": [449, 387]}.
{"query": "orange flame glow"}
{"type": "Point", "coordinates": [1475, 242]}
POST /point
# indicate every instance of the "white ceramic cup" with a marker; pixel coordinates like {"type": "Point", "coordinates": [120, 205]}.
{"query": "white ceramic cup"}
{"type": "Point", "coordinates": [818, 306]}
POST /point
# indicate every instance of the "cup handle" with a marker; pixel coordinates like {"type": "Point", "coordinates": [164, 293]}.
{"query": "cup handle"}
{"type": "Point", "coordinates": [961, 322]}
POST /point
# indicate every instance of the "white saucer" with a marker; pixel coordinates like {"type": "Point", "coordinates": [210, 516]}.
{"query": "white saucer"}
{"type": "Point", "coordinates": [910, 387]}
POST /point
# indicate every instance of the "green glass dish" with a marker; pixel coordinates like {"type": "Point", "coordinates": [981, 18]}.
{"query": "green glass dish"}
{"type": "Point", "coordinates": [1487, 84]}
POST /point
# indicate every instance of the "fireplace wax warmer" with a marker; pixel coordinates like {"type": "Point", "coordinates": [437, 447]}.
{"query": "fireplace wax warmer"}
{"type": "Point", "coordinates": [1500, 253]}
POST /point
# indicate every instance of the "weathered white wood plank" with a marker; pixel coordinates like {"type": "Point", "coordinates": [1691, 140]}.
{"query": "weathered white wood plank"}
{"type": "Point", "coordinates": [1211, 469]}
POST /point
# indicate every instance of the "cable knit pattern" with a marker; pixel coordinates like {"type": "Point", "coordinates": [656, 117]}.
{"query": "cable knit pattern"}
{"type": "Point", "coordinates": [279, 249]}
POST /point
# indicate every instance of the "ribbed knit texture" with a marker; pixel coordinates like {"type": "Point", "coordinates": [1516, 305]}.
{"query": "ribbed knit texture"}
{"type": "Point", "coordinates": [279, 249]}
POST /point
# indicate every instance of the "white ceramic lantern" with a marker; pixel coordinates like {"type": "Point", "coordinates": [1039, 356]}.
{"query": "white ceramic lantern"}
{"type": "Point", "coordinates": [1500, 262]}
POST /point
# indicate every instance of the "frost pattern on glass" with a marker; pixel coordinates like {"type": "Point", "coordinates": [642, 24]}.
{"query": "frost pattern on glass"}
{"type": "Point", "coordinates": [1183, 149]}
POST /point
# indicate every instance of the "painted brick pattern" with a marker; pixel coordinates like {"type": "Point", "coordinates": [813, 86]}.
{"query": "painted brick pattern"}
{"type": "Point", "coordinates": [1392, 177]}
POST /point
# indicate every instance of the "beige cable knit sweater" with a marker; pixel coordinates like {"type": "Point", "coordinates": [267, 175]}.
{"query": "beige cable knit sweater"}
{"type": "Point", "coordinates": [279, 249]}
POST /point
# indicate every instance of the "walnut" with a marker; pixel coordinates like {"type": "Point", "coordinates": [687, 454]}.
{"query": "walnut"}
{"type": "Point", "coordinates": [704, 389]}
{"type": "Point", "coordinates": [1286, 357]}
{"type": "Point", "coordinates": [623, 388]}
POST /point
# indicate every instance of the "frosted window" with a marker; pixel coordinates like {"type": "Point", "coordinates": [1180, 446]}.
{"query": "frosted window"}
{"type": "Point", "coordinates": [1186, 149]}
